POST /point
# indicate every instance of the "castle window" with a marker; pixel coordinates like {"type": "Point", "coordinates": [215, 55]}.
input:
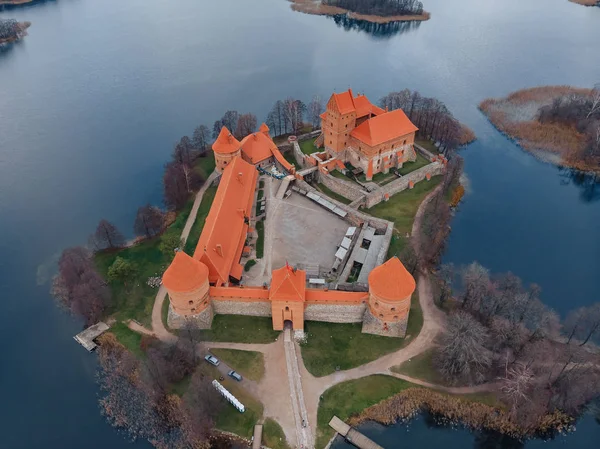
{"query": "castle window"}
{"type": "Point", "coordinates": [330, 142]}
{"type": "Point", "coordinates": [404, 142]}
{"type": "Point", "coordinates": [193, 310]}
{"type": "Point", "coordinates": [376, 304]}
{"type": "Point", "coordinates": [346, 125]}
{"type": "Point", "coordinates": [381, 315]}
{"type": "Point", "coordinates": [393, 309]}
{"type": "Point", "coordinates": [190, 302]}
{"type": "Point", "coordinates": [395, 317]}
{"type": "Point", "coordinates": [287, 309]}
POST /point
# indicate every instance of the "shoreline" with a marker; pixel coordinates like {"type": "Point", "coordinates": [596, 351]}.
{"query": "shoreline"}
{"type": "Point", "coordinates": [453, 409]}
{"type": "Point", "coordinates": [318, 9]}
{"type": "Point", "coordinates": [590, 3]}
{"type": "Point", "coordinates": [20, 35]}
{"type": "Point", "coordinates": [516, 117]}
{"type": "Point", "coordinates": [15, 2]}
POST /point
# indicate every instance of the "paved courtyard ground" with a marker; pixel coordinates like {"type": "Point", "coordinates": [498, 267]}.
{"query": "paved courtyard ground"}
{"type": "Point", "coordinates": [305, 233]}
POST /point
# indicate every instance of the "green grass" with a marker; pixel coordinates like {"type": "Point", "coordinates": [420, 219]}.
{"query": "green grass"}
{"type": "Point", "coordinates": [250, 364]}
{"type": "Point", "coordinates": [428, 145]}
{"type": "Point", "coordinates": [205, 165]}
{"type": "Point", "coordinates": [308, 146]}
{"type": "Point", "coordinates": [260, 241]}
{"type": "Point", "coordinates": [397, 245]}
{"type": "Point", "coordinates": [240, 329]}
{"type": "Point", "coordinates": [421, 367]}
{"type": "Point", "coordinates": [377, 177]}
{"type": "Point", "coordinates": [408, 167]}
{"type": "Point", "coordinates": [249, 264]}
{"type": "Point", "coordinates": [273, 435]}
{"type": "Point", "coordinates": [230, 420]}
{"type": "Point", "coordinates": [165, 312]}
{"type": "Point", "coordinates": [261, 193]}
{"type": "Point", "coordinates": [289, 156]}
{"type": "Point", "coordinates": [203, 210]}
{"type": "Point", "coordinates": [402, 207]}
{"type": "Point", "coordinates": [330, 193]}
{"type": "Point", "coordinates": [348, 398]}
{"type": "Point", "coordinates": [128, 338]}
{"type": "Point", "coordinates": [338, 174]}
{"type": "Point", "coordinates": [344, 345]}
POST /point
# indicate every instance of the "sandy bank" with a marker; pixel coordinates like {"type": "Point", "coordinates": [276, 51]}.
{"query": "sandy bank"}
{"type": "Point", "coordinates": [315, 7]}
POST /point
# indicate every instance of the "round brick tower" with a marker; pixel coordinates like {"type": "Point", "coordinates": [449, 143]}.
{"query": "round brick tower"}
{"type": "Point", "coordinates": [226, 147]}
{"type": "Point", "coordinates": [186, 281]}
{"type": "Point", "coordinates": [390, 290]}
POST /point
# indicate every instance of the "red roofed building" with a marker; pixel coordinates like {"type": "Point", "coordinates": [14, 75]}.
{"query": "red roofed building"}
{"type": "Point", "coordinates": [226, 147]}
{"type": "Point", "coordinates": [356, 131]}
{"type": "Point", "coordinates": [287, 296]}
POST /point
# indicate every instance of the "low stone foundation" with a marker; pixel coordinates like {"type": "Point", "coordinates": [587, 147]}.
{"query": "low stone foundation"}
{"type": "Point", "coordinates": [335, 313]}
{"type": "Point", "coordinates": [251, 308]}
{"type": "Point", "coordinates": [201, 321]}
{"type": "Point", "coordinates": [373, 325]}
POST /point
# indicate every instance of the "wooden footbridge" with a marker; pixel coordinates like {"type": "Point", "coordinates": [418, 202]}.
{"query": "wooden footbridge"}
{"type": "Point", "coordinates": [351, 435]}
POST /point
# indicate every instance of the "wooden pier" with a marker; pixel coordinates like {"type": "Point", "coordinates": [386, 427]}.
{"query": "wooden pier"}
{"type": "Point", "coordinates": [86, 337]}
{"type": "Point", "coordinates": [351, 435]}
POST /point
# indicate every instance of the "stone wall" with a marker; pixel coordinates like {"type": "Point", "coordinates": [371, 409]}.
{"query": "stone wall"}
{"type": "Point", "coordinates": [373, 325]}
{"type": "Point", "coordinates": [203, 320]}
{"type": "Point", "coordinates": [400, 184]}
{"type": "Point", "coordinates": [235, 306]}
{"type": "Point", "coordinates": [298, 155]}
{"type": "Point", "coordinates": [347, 189]}
{"type": "Point", "coordinates": [335, 313]}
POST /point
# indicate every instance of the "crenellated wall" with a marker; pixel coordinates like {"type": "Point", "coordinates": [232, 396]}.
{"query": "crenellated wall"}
{"type": "Point", "coordinates": [347, 189]}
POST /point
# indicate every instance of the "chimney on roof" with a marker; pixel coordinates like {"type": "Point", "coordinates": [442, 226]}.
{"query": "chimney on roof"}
{"type": "Point", "coordinates": [239, 177]}
{"type": "Point", "coordinates": [350, 92]}
{"type": "Point", "coordinates": [219, 249]}
{"type": "Point", "coordinates": [255, 135]}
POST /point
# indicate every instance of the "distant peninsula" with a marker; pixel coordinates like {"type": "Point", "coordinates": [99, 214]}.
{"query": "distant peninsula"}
{"type": "Point", "coordinates": [586, 2]}
{"type": "Point", "coordinates": [12, 31]}
{"type": "Point", "coordinates": [376, 11]}
{"type": "Point", "coordinates": [559, 124]}
{"type": "Point", "coordinates": [15, 2]}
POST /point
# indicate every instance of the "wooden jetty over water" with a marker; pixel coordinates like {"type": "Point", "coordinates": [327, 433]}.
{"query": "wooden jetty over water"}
{"type": "Point", "coordinates": [86, 337]}
{"type": "Point", "coordinates": [351, 435]}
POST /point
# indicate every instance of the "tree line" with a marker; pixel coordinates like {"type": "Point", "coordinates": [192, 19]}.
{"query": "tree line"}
{"type": "Point", "coordinates": [9, 29]}
{"type": "Point", "coordinates": [379, 7]}
{"type": "Point", "coordinates": [137, 393]}
{"type": "Point", "coordinates": [583, 113]}
{"type": "Point", "coordinates": [431, 116]}
{"type": "Point", "coordinates": [498, 329]}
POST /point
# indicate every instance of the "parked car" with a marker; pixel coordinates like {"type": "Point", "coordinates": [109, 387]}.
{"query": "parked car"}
{"type": "Point", "coordinates": [212, 360]}
{"type": "Point", "coordinates": [235, 375]}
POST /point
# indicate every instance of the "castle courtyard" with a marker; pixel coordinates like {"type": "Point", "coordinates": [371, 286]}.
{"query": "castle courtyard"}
{"type": "Point", "coordinates": [304, 233]}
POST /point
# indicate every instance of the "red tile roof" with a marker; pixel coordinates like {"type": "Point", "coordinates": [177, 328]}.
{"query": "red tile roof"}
{"type": "Point", "coordinates": [384, 127]}
{"type": "Point", "coordinates": [225, 143]}
{"type": "Point", "coordinates": [287, 285]}
{"type": "Point", "coordinates": [344, 102]}
{"type": "Point", "coordinates": [185, 274]}
{"type": "Point", "coordinates": [224, 233]}
{"type": "Point", "coordinates": [391, 281]}
{"type": "Point", "coordinates": [365, 107]}
{"type": "Point", "coordinates": [257, 147]}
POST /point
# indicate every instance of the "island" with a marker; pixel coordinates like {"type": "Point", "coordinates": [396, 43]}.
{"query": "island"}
{"type": "Point", "coordinates": [586, 2]}
{"type": "Point", "coordinates": [11, 30]}
{"type": "Point", "coordinates": [376, 11]}
{"type": "Point", "coordinates": [559, 124]}
{"type": "Point", "coordinates": [15, 2]}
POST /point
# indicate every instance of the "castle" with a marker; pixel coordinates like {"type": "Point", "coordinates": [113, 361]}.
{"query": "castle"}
{"type": "Point", "coordinates": [373, 140]}
{"type": "Point", "coordinates": [211, 281]}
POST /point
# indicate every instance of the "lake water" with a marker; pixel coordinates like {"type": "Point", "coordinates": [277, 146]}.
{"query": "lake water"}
{"type": "Point", "coordinates": [93, 99]}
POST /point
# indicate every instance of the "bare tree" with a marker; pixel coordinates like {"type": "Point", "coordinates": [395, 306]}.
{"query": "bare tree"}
{"type": "Point", "coordinates": [246, 124]}
{"type": "Point", "coordinates": [595, 103]}
{"type": "Point", "coordinates": [516, 385]}
{"type": "Point", "coordinates": [294, 113]}
{"type": "Point", "coordinates": [149, 221]}
{"type": "Point", "coordinates": [201, 403]}
{"type": "Point", "coordinates": [107, 236]}
{"type": "Point", "coordinates": [276, 120]}
{"type": "Point", "coordinates": [463, 356]}
{"type": "Point", "coordinates": [446, 275]}
{"type": "Point", "coordinates": [179, 181]}
{"type": "Point", "coordinates": [315, 109]}
{"type": "Point", "coordinates": [182, 152]}
{"type": "Point", "coordinates": [475, 284]}
{"type": "Point", "coordinates": [200, 138]}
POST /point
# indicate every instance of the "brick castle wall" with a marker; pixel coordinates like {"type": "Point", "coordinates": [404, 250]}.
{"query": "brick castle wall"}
{"type": "Point", "coordinates": [335, 313]}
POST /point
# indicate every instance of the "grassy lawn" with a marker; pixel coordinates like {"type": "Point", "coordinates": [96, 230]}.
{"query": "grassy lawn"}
{"type": "Point", "coordinates": [421, 367]}
{"type": "Point", "coordinates": [260, 241]}
{"type": "Point", "coordinates": [408, 167]}
{"type": "Point", "coordinates": [428, 145]}
{"type": "Point", "coordinates": [343, 345]}
{"type": "Point", "coordinates": [250, 364]}
{"type": "Point", "coordinates": [352, 397]}
{"type": "Point", "coordinates": [230, 420]}
{"type": "Point", "coordinates": [336, 196]}
{"type": "Point", "coordinates": [273, 435]}
{"type": "Point", "coordinates": [128, 338]}
{"type": "Point", "coordinates": [240, 329]}
{"type": "Point", "coordinates": [377, 177]}
{"type": "Point", "coordinates": [289, 156]}
{"type": "Point", "coordinates": [136, 299]}
{"type": "Point", "coordinates": [205, 165]}
{"type": "Point", "coordinates": [308, 146]}
{"type": "Point", "coordinates": [402, 207]}
{"type": "Point", "coordinates": [249, 264]}
{"type": "Point", "coordinates": [207, 200]}
{"type": "Point", "coordinates": [338, 174]}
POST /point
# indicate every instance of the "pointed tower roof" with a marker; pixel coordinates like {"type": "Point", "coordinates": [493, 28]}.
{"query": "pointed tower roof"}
{"type": "Point", "coordinates": [185, 274]}
{"type": "Point", "coordinates": [391, 281]}
{"type": "Point", "coordinates": [288, 285]}
{"type": "Point", "coordinates": [225, 143]}
{"type": "Point", "coordinates": [264, 129]}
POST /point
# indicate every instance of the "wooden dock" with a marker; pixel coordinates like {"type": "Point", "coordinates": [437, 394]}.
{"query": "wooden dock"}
{"type": "Point", "coordinates": [351, 435]}
{"type": "Point", "coordinates": [86, 337]}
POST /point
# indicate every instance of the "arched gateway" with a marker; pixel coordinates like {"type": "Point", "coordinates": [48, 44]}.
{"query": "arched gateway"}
{"type": "Point", "coordinates": [287, 296]}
